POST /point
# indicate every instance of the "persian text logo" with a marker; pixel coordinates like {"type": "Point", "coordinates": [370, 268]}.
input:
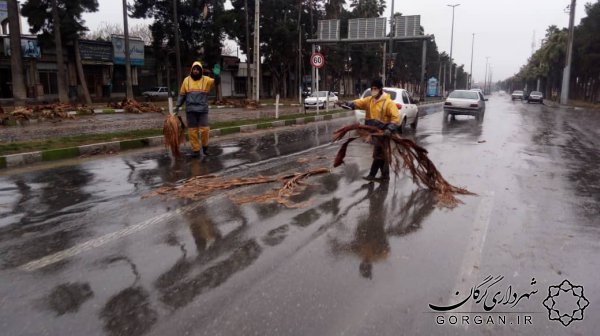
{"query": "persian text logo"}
{"type": "Point", "coordinates": [565, 303]}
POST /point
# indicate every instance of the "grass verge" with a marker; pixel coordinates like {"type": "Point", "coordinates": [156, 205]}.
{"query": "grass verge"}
{"type": "Point", "coordinates": [227, 127]}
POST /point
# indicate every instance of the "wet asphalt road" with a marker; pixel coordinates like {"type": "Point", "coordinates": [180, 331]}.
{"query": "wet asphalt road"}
{"type": "Point", "coordinates": [83, 253]}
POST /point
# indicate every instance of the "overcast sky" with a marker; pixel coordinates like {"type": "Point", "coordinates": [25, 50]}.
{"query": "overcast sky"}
{"type": "Point", "coordinates": [503, 28]}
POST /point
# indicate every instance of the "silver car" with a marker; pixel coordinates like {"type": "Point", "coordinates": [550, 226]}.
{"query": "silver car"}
{"type": "Point", "coordinates": [535, 96]}
{"type": "Point", "coordinates": [464, 102]}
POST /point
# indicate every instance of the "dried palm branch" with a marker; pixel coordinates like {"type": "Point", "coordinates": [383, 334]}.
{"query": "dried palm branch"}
{"type": "Point", "coordinates": [402, 153]}
{"type": "Point", "coordinates": [200, 187]}
{"type": "Point", "coordinates": [174, 133]}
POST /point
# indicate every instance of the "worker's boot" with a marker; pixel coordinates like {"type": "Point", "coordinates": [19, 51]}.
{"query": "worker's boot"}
{"type": "Point", "coordinates": [385, 172]}
{"type": "Point", "coordinates": [205, 151]}
{"type": "Point", "coordinates": [375, 166]}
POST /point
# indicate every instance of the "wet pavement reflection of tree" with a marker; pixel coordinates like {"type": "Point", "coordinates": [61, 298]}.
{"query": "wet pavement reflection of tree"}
{"type": "Point", "coordinates": [46, 204]}
{"type": "Point", "coordinates": [68, 297]}
{"type": "Point", "coordinates": [384, 217]}
{"type": "Point", "coordinates": [129, 312]}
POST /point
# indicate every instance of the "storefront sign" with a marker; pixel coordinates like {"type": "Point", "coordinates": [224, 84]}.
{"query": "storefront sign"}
{"type": "Point", "coordinates": [29, 48]}
{"type": "Point", "coordinates": [136, 51]}
{"type": "Point", "coordinates": [95, 51]}
{"type": "Point", "coordinates": [3, 10]}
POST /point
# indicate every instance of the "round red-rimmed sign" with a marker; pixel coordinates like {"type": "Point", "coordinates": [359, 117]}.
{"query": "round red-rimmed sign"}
{"type": "Point", "coordinates": [317, 60]}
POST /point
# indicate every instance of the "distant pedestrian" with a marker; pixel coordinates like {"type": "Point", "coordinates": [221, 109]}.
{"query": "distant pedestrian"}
{"type": "Point", "coordinates": [194, 93]}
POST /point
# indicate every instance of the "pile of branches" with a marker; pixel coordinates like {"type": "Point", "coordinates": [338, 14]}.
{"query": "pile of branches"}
{"type": "Point", "coordinates": [133, 106]}
{"type": "Point", "coordinates": [250, 104]}
{"type": "Point", "coordinates": [43, 111]}
{"type": "Point", "coordinates": [201, 187]}
{"type": "Point", "coordinates": [174, 133]}
{"type": "Point", "coordinates": [401, 153]}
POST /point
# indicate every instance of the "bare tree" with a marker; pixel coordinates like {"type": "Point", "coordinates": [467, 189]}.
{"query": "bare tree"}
{"type": "Point", "coordinates": [106, 29]}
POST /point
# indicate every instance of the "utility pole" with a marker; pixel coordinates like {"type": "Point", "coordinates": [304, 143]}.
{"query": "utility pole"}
{"type": "Point", "coordinates": [451, 43]}
{"type": "Point", "coordinates": [471, 70]}
{"type": "Point", "coordinates": [490, 80]}
{"type": "Point", "coordinates": [485, 77]}
{"type": "Point", "coordinates": [439, 74]}
{"type": "Point", "coordinates": [564, 92]}
{"type": "Point", "coordinates": [129, 92]}
{"type": "Point", "coordinates": [299, 52]}
{"type": "Point", "coordinates": [177, 50]}
{"type": "Point", "coordinates": [392, 25]}
{"type": "Point", "coordinates": [248, 76]}
{"type": "Point", "coordinates": [257, 50]}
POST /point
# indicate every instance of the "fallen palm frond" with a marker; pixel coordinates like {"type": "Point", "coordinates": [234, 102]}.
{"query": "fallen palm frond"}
{"type": "Point", "coordinates": [311, 159]}
{"type": "Point", "coordinates": [45, 111]}
{"type": "Point", "coordinates": [133, 106]}
{"type": "Point", "coordinates": [174, 133]}
{"type": "Point", "coordinates": [200, 187]}
{"type": "Point", "coordinates": [404, 153]}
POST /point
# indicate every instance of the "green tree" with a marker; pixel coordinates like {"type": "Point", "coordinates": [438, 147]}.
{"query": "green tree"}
{"type": "Point", "coordinates": [586, 63]}
{"type": "Point", "coordinates": [200, 37]}
{"type": "Point", "coordinates": [42, 16]}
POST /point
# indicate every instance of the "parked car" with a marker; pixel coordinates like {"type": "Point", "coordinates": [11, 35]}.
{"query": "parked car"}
{"type": "Point", "coordinates": [517, 94]}
{"type": "Point", "coordinates": [535, 96]}
{"type": "Point", "coordinates": [464, 102]}
{"type": "Point", "coordinates": [155, 92]}
{"type": "Point", "coordinates": [409, 113]}
{"type": "Point", "coordinates": [320, 98]}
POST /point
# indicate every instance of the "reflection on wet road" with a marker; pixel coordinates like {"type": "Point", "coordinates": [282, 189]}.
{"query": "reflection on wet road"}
{"type": "Point", "coordinates": [83, 252]}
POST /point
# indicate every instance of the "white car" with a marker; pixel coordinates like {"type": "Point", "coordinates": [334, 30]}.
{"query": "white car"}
{"type": "Point", "coordinates": [409, 112]}
{"type": "Point", "coordinates": [159, 91]}
{"type": "Point", "coordinates": [320, 98]}
{"type": "Point", "coordinates": [465, 102]}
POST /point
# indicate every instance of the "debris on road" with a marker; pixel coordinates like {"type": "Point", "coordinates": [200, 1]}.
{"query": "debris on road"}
{"type": "Point", "coordinates": [133, 106]}
{"type": "Point", "coordinates": [401, 154]}
{"type": "Point", "coordinates": [56, 111]}
{"type": "Point", "coordinates": [200, 187]}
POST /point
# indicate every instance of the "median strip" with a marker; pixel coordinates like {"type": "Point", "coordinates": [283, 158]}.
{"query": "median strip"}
{"type": "Point", "coordinates": [147, 138]}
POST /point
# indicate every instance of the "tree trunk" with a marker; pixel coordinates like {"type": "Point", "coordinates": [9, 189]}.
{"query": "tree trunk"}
{"type": "Point", "coordinates": [18, 81]}
{"type": "Point", "coordinates": [86, 93]}
{"type": "Point", "coordinates": [60, 63]}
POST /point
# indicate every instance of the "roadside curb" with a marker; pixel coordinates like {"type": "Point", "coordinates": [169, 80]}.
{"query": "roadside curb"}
{"type": "Point", "coordinates": [22, 159]}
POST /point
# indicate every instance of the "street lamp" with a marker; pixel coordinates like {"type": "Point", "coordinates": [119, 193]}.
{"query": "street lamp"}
{"type": "Point", "coordinates": [471, 71]}
{"type": "Point", "coordinates": [485, 77]}
{"type": "Point", "coordinates": [451, 42]}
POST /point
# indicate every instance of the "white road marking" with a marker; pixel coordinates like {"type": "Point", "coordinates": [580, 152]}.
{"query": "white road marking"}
{"type": "Point", "coordinates": [100, 241]}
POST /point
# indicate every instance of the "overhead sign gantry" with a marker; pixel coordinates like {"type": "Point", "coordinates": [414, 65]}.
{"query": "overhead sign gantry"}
{"type": "Point", "coordinates": [369, 30]}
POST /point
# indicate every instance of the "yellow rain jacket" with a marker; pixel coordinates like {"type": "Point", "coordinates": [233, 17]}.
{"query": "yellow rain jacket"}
{"type": "Point", "coordinates": [383, 109]}
{"type": "Point", "coordinates": [194, 93]}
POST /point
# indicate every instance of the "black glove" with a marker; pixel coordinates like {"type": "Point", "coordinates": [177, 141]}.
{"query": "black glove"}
{"type": "Point", "coordinates": [375, 123]}
{"type": "Point", "coordinates": [391, 127]}
{"type": "Point", "coordinates": [350, 104]}
{"type": "Point", "coordinates": [176, 111]}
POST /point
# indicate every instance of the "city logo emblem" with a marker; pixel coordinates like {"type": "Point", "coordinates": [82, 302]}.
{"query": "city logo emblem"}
{"type": "Point", "coordinates": [565, 303]}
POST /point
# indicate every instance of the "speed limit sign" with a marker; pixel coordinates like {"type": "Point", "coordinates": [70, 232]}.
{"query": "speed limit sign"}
{"type": "Point", "coordinates": [317, 60]}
